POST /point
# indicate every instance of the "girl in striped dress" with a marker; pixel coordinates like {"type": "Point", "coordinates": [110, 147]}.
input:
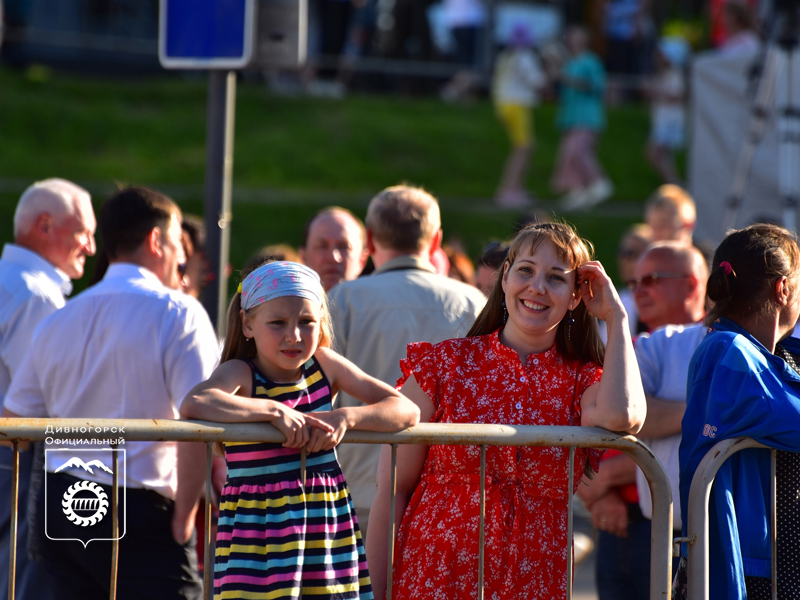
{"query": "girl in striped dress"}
{"type": "Point", "coordinates": [278, 537]}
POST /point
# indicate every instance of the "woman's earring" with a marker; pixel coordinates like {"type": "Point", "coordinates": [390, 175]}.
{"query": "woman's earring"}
{"type": "Point", "coordinates": [247, 339]}
{"type": "Point", "coordinates": [570, 321]}
{"type": "Point", "coordinates": [505, 312]}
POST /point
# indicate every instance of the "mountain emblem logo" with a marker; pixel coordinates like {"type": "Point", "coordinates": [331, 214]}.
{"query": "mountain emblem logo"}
{"type": "Point", "coordinates": [79, 495]}
{"type": "Point", "coordinates": [85, 503]}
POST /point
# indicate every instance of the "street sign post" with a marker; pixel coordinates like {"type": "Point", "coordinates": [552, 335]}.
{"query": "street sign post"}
{"type": "Point", "coordinates": [222, 36]}
{"type": "Point", "coordinates": [206, 34]}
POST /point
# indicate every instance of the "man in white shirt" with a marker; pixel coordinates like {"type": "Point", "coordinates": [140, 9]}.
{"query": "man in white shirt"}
{"type": "Point", "coordinates": [129, 347]}
{"type": "Point", "coordinates": [402, 301]}
{"type": "Point", "coordinates": [670, 289]}
{"type": "Point", "coordinates": [53, 233]}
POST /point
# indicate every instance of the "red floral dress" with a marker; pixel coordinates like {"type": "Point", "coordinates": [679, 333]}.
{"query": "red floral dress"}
{"type": "Point", "coordinates": [479, 380]}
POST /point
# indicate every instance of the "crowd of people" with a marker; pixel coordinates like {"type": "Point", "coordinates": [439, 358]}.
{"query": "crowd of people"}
{"type": "Point", "coordinates": [693, 349]}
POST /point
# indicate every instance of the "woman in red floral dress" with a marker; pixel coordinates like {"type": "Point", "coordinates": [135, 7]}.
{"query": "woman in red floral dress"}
{"type": "Point", "coordinates": [533, 357]}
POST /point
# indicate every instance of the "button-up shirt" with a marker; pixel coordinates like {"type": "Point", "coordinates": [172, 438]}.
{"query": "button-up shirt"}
{"type": "Point", "coordinates": [30, 290]}
{"type": "Point", "coordinates": [126, 348]}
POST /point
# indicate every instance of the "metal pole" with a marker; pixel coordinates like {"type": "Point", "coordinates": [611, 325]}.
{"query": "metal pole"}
{"type": "Point", "coordinates": [392, 527]}
{"type": "Point", "coordinates": [570, 518]}
{"type": "Point", "coordinates": [482, 525]}
{"type": "Point", "coordinates": [697, 584]}
{"type": "Point", "coordinates": [114, 521]}
{"type": "Point", "coordinates": [208, 562]}
{"type": "Point", "coordinates": [12, 555]}
{"type": "Point", "coordinates": [220, 118]}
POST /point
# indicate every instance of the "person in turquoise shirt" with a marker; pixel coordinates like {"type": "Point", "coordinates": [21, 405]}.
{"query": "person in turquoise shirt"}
{"type": "Point", "coordinates": [581, 117]}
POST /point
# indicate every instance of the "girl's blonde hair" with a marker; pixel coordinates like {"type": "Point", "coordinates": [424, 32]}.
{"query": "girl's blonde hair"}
{"type": "Point", "coordinates": [239, 347]}
{"type": "Point", "coordinates": [579, 340]}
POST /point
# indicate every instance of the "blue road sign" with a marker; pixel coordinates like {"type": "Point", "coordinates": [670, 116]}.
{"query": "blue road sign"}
{"type": "Point", "coordinates": [206, 34]}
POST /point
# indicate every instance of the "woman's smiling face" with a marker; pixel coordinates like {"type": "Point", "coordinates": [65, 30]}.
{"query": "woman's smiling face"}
{"type": "Point", "coordinates": [539, 290]}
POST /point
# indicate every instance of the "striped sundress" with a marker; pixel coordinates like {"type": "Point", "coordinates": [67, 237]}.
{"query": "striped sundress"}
{"type": "Point", "coordinates": [275, 539]}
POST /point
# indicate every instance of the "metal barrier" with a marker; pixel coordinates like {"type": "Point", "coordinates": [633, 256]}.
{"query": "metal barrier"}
{"type": "Point", "coordinates": [697, 585]}
{"type": "Point", "coordinates": [16, 430]}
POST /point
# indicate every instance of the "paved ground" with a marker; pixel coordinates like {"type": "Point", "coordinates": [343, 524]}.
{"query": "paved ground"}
{"type": "Point", "coordinates": [583, 586]}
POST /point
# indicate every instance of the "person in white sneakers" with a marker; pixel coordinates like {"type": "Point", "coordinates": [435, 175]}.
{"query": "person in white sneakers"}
{"type": "Point", "coordinates": [581, 117]}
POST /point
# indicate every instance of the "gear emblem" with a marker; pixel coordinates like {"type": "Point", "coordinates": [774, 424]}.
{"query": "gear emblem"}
{"type": "Point", "coordinates": [92, 503]}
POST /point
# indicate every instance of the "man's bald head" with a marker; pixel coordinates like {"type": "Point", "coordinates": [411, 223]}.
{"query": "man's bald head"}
{"type": "Point", "coordinates": [333, 245]}
{"type": "Point", "coordinates": [670, 284]}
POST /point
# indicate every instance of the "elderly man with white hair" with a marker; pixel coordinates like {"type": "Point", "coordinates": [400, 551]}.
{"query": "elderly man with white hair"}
{"type": "Point", "coordinates": [53, 233]}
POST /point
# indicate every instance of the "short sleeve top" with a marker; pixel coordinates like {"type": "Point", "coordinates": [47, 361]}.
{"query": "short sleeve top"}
{"type": "Point", "coordinates": [480, 380]}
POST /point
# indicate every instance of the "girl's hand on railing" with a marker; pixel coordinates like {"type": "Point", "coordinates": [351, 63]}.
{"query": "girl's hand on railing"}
{"type": "Point", "coordinates": [325, 440]}
{"type": "Point", "coordinates": [296, 425]}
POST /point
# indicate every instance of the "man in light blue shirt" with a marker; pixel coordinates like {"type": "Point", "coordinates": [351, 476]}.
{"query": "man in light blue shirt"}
{"type": "Point", "coordinates": [54, 228]}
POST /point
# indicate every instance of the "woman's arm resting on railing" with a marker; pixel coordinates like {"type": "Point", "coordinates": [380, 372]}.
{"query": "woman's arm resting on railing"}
{"type": "Point", "coordinates": [617, 403]}
{"type": "Point", "coordinates": [410, 460]}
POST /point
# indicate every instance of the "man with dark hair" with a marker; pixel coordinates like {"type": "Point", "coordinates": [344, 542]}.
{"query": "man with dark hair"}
{"type": "Point", "coordinates": [402, 301]}
{"type": "Point", "coordinates": [131, 346]}
{"type": "Point", "coordinates": [53, 233]}
{"type": "Point", "coordinates": [195, 271]}
{"type": "Point", "coordinates": [333, 245]}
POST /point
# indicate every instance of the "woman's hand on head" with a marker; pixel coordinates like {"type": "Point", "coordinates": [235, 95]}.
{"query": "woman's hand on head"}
{"type": "Point", "coordinates": [297, 426]}
{"type": "Point", "coordinates": [597, 291]}
{"type": "Point", "coordinates": [325, 440]}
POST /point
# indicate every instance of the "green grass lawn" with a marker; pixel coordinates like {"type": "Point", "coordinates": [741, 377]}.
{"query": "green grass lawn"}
{"type": "Point", "coordinates": [292, 155]}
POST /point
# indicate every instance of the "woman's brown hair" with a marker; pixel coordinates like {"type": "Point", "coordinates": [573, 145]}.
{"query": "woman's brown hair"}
{"type": "Point", "coordinates": [746, 266]}
{"type": "Point", "coordinates": [579, 340]}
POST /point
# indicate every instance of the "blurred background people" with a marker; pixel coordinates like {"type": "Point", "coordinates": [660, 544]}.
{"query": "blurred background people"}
{"type": "Point", "coordinates": [195, 271]}
{"type": "Point", "coordinates": [671, 214]}
{"type": "Point", "coordinates": [492, 258]}
{"type": "Point", "coordinates": [581, 118]}
{"type": "Point", "coordinates": [465, 19]}
{"type": "Point", "coordinates": [333, 245]}
{"type": "Point", "coordinates": [270, 253]}
{"type": "Point", "coordinates": [518, 77]}
{"type": "Point", "coordinates": [461, 267]}
{"type": "Point", "coordinates": [634, 241]}
{"type": "Point", "coordinates": [667, 93]}
{"type": "Point", "coordinates": [628, 28]}
{"type": "Point", "coordinates": [741, 38]}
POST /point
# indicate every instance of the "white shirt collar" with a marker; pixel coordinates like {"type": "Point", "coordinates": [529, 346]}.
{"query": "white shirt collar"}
{"type": "Point", "coordinates": [122, 270]}
{"type": "Point", "coordinates": [33, 262]}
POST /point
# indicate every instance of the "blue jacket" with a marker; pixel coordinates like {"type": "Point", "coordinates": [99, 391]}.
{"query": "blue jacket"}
{"type": "Point", "coordinates": [736, 388]}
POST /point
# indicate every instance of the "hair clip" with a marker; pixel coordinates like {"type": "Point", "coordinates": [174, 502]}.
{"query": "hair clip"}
{"type": "Point", "coordinates": [726, 266]}
{"type": "Point", "coordinates": [239, 289]}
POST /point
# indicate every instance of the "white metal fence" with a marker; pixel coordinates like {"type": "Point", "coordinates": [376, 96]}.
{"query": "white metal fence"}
{"type": "Point", "coordinates": [16, 430]}
{"type": "Point", "coordinates": [697, 585]}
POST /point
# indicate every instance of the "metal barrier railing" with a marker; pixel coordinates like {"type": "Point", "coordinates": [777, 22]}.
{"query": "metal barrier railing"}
{"type": "Point", "coordinates": [16, 430]}
{"type": "Point", "coordinates": [697, 574]}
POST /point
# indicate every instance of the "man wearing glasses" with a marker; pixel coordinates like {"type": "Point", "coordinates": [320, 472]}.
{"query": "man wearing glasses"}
{"type": "Point", "coordinates": [670, 285]}
{"type": "Point", "coordinates": [669, 288]}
